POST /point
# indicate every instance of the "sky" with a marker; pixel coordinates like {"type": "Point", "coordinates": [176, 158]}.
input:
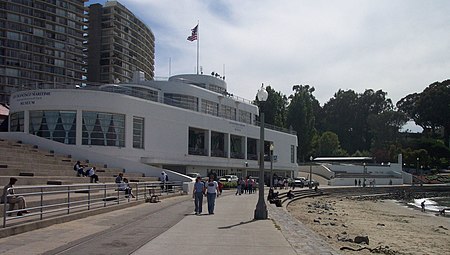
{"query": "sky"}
{"type": "Point", "coordinates": [398, 46]}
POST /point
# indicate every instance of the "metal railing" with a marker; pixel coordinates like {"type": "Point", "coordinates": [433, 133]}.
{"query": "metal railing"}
{"type": "Point", "coordinates": [55, 200]}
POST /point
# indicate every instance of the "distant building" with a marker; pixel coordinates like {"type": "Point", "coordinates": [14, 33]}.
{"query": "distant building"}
{"type": "Point", "coordinates": [41, 44]}
{"type": "Point", "coordinates": [119, 43]}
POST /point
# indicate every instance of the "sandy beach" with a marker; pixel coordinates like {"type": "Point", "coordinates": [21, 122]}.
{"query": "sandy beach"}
{"type": "Point", "coordinates": [390, 227]}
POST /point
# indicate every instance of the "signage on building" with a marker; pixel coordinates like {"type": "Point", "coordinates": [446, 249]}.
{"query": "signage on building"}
{"type": "Point", "coordinates": [29, 97]}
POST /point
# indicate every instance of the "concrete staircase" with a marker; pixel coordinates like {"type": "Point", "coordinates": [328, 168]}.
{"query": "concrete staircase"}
{"type": "Point", "coordinates": [34, 166]}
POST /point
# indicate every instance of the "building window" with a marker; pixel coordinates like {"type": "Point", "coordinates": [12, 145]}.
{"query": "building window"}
{"type": "Point", "coordinates": [138, 132]}
{"type": "Point", "coordinates": [59, 126]}
{"type": "Point", "coordinates": [292, 154]}
{"type": "Point", "coordinates": [104, 129]}
{"type": "Point", "coordinates": [252, 152]}
{"type": "Point", "coordinates": [210, 107]}
{"type": "Point", "coordinates": [182, 101]}
{"type": "Point", "coordinates": [237, 147]}
{"type": "Point", "coordinates": [245, 117]}
{"type": "Point", "coordinates": [16, 121]}
{"type": "Point", "coordinates": [218, 145]}
{"type": "Point", "coordinates": [197, 142]}
{"type": "Point", "coordinates": [228, 112]}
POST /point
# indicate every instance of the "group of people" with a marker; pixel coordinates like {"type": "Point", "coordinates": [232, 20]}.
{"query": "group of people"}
{"type": "Point", "coordinates": [90, 172]}
{"type": "Point", "coordinates": [210, 189]}
{"type": "Point", "coordinates": [282, 183]}
{"type": "Point", "coordinates": [245, 186]}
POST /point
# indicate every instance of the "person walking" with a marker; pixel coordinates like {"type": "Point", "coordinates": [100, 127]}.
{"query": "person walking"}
{"type": "Point", "coordinates": [238, 186]}
{"type": "Point", "coordinates": [422, 205]}
{"type": "Point", "coordinates": [212, 191]}
{"type": "Point", "coordinates": [197, 194]}
{"type": "Point", "coordinates": [164, 179]}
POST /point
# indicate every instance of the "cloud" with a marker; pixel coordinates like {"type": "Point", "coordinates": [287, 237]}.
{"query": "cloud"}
{"type": "Point", "coordinates": [397, 46]}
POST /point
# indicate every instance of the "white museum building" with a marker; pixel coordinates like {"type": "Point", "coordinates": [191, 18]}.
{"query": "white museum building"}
{"type": "Point", "coordinates": [186, 123]}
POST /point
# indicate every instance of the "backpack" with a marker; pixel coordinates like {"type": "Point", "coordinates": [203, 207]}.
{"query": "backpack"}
{"type": "Point", "coordinates": [75, 167]}
{"type": "Point", "coordinates": [167, 178]}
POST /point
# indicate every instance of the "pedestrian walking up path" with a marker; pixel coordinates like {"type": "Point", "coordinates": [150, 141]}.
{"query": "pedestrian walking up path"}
{"type": "Point", "coordinates": [232, 230]}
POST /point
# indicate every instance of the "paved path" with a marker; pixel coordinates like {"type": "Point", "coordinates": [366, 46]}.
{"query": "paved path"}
{"type": "Point", "coordinates": [170, 227]}
{"type": "Point", "coordinates": [232, 230]}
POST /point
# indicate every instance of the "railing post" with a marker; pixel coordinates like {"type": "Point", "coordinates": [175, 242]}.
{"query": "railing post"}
{"type": "Point", "coordinates": [118, 196]}
{"type": "Point", "coordinates": [68, 199]}
{"type": "Point", "coordinates": [89, 197]}
{"type": "Point", "coordinates": [137, 191]}
{"type": "Point", "coordinates": [104, 195]}
{"type": "Point", "coordinates": [5, 204]}
{"type": "Point", "coordinates": [42, 202]}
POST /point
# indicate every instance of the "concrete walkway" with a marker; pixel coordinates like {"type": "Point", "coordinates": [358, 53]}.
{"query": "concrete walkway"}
{"type": "Point", "coordinates": [232, 230]}
{"type": "Point", "coordinates": [170, 227]}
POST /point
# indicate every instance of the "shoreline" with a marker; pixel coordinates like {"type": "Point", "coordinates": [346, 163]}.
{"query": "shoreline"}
{"type": "Point", "coordinates": [392, 227]}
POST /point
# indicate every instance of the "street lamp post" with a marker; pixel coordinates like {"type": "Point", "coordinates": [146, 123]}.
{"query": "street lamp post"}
{"type": "Point", "coordinates": [271, 165]}
{"type": "Point", "coordinates": [417, 166]}
{"type": "Point", "coordinates": [365, 173]}
{"type": "Point", "coordinates": [310, 172]}
{"type": "Point", "coordinates": [261, 208]}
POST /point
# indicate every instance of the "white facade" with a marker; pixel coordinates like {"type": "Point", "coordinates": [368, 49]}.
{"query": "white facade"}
{"type": "Point", "coordinates": [167, 131]}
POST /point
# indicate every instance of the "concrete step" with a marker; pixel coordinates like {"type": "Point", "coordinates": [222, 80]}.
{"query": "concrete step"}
{"type": "Point", "coordinates": [64, 180]}
{"type": "Point", "coordinates": [47, 172]}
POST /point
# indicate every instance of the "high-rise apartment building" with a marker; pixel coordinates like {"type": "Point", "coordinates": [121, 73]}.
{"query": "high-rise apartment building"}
{"type": "Point", "coordinates": [119, 44]}
{"type": "Point", "coordinates": [41, 44]}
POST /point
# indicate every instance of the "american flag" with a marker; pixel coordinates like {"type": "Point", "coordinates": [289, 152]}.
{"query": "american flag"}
{"type": "Point", "coordinates": [193, 36]}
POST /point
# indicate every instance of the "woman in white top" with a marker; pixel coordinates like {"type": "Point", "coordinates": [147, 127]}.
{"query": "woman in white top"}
{"type": "Point", "coordinates": [212, 191]}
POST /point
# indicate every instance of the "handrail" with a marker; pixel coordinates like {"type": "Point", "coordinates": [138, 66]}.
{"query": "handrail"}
{"type": "Point", "coordinates": [56, 200]}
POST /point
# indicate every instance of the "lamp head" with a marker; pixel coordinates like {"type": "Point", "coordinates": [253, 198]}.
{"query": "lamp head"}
{"type": "Point", "coordinates": [262, 94]}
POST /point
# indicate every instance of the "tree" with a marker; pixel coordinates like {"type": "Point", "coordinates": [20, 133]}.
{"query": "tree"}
{"type": "Point", "coordinates": [328, 145]}
{"type": "Point", "coordinates": [431, 108]}
{"type": "Point", "coordinates": [384, 127]}
{"type": "Point", "coordinates": [339, 117]}
{"type": "Point", "coordinates": [274, 108]}
{"type": "Point", "coordinates": [300, 117]}
{"type": "Point", "coordinates": [347, 115]}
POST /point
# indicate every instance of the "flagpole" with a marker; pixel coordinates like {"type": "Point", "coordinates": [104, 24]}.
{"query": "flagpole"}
{"type": "Point", "coordinates": [198, 43]}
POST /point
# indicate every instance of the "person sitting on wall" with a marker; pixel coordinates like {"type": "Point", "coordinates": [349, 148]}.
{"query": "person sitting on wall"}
{"type": "Point", "coordinates": [125, 186]}
{"type": "Point", "coordinates": [91, 173]}
{"type": "Point", "coordinates": [79, 168]}
{"type": "Point", "coordinates": [290, 195]}
{"type": "Point", "coordinates": [12, 199]}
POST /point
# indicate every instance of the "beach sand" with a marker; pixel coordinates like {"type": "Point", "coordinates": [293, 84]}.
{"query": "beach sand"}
{"type": "Point", "coordinates": [386, 223]}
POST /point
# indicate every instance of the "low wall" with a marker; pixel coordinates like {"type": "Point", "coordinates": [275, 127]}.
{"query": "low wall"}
{"type": "Point", "coordinates": [371, 169]}
{"type": "Point", "coordinates": [317, 169]}
{"type": "Point", "coordinates": [351, 181]}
